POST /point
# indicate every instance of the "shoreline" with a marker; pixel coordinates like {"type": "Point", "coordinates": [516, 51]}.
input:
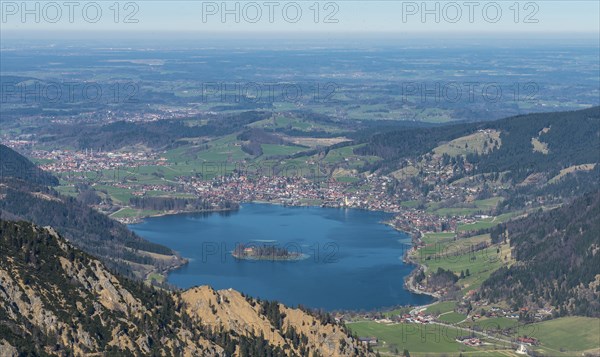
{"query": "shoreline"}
{"type": "Point", "coordinates": [181, 260]}
{"type": "Point", "coordinates": [141, 218]}
{"type": "Point", "coordinates": [414, 234]}
{"type": "Point", "coordinates": [409, 283]}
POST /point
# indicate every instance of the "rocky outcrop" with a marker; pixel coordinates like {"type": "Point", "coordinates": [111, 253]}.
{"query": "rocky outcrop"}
{"type": "Point", "coordinates": [57, 300]}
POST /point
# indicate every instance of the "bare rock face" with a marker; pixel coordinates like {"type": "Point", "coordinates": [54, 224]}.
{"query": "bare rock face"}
{"type": "Point", "coordinates": [230, 310]}
{"type": "Point", "coordinates": [326, 338]}
{"type": "Point", "coordinates": [57, 300]}
{"type": "Point", "coordinates": [7, 350]}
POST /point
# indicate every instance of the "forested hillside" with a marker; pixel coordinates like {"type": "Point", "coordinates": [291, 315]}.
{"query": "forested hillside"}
{"type": "Point", "coordinates": [13, 164]}
{"type": "Point", "coordinates": [153, 134]}
{"type": "Point", "coordinates": [542, 142]}
{"type": "Point", "coordinates": [91, 231]}
{"type": "Point", "coordinates": [558, 260]}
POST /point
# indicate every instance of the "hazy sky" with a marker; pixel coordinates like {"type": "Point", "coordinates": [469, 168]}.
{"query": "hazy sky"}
{"type": "Point", "coordinates": [278, 17]}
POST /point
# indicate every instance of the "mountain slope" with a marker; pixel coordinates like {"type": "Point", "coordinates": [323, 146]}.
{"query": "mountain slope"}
{"type": "Point", "coordinates": [13, 164]}
{"type": "Point", "coordinates": [278, 324]}
{"type": "Point", "coordinates": [57, 300]}
{"type": "Point", "coordinates": [121, 249]}
{"type": "Point", "coordinates": [558, 260]}
{"type": "Point", "coordinates": [543, 142]}
{"type": "Point", "coordinates": [527, 143]}
{"type": "Point", "coordinates": [28, 197]}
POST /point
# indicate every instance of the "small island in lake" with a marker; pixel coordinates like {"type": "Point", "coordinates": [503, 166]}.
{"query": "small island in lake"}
{"type": "Point", "coordinates": [265, 252]}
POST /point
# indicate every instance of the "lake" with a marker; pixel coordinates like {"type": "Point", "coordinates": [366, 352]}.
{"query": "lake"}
{"type": "Point", "coordinates": [353, 261]}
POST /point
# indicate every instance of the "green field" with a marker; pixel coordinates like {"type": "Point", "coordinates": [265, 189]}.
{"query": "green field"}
{"type": "Point", "coordinates": [280, 150]}
{"type": "Point", "coordinates": [473, 143]}
{"type": "Point", "coordinates": [465, 209]}
{"type": "Point", "coordinates": [414, 337]}
{"type": "Point", "coordinates": [487, 222]}
{"type": "Point", "coordinates": [442, 251]}
{"type": "Point", "coordinates": [121, 195]}
{"type": "Point", "coordinates": [159, 193]}
{"type": "Point", "coordinates": [452, 317]}
{"type": "Point", "coordinates": [66, 190]}
{"type": "Point", "coordinates": [567, 334]}
{"type": "Point", "coordinates": [441, 307]}
{"type": "Point", "coordinates": [395, 312]}
{"type": "Point", "coordinates": [488, 203]}
{"type": "Point", "coordinates": [288, 122]}
{"type": "Point", "coordinates": [346, 156]}
{"type": "Point", "coordinates": [221, 150]}
{"type": "Point", "coordinates": [347, 179]}
{"type": "Point", "coordinates": [155, 277]}
{"type": "Point", "coordinates": [493, 323]}
{"type": "Point", "coordinates": [433, 238]}
{"type": "Point", "coordinates": [133, 213]}
{"type": "Point", "coordinates": [439, 245]}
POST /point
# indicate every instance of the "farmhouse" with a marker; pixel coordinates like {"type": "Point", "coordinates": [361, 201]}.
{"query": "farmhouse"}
{"type": "Point", "coordinates": [372, 341]}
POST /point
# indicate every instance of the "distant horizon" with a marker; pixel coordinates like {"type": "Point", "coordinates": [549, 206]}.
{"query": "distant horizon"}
{"type": "Point", "coordinates": [20, 39]}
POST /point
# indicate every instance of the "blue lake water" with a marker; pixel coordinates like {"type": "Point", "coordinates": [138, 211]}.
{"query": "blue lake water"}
{"type": "Point", "coordinates": [353, 261]}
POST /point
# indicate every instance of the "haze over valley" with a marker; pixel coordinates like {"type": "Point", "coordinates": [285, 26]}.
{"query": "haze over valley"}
{"type": "Point", "coordinates": [360, 190]}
